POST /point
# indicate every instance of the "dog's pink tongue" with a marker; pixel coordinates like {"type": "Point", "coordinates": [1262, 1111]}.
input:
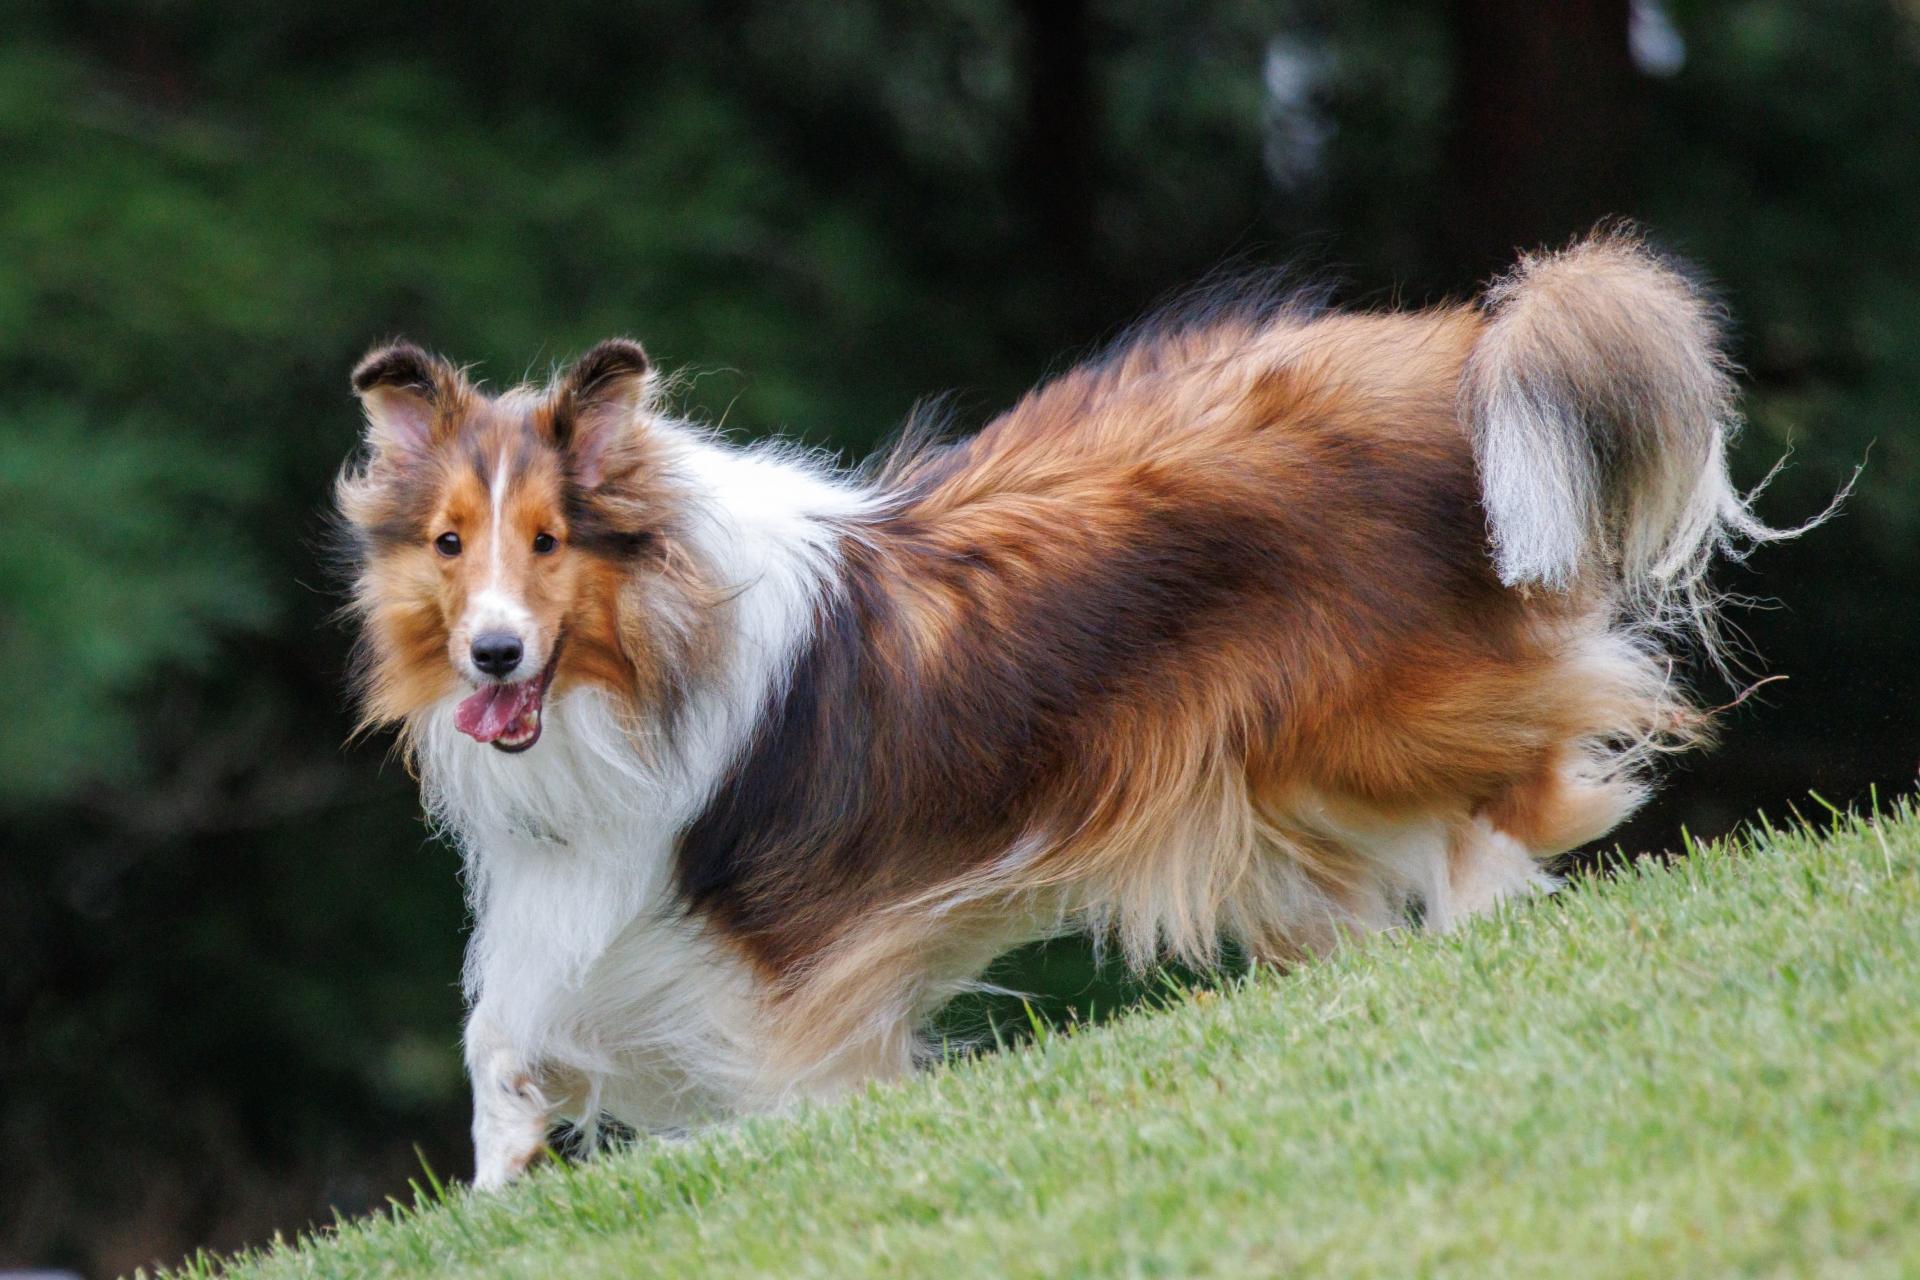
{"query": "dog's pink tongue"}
{"type": "Point", "coordinates": [491, 711]}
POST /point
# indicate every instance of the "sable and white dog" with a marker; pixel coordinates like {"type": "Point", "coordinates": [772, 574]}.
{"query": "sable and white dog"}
{"type": "Point", "coordinates": [1269, 625]}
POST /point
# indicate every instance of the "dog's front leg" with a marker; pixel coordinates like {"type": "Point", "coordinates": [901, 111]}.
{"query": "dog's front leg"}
{"type": "Point", "coordinates": [515, 1102]}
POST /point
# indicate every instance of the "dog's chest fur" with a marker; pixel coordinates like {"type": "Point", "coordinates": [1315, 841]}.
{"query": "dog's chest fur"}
{"type": "Point", "coordinates": [582, 955]}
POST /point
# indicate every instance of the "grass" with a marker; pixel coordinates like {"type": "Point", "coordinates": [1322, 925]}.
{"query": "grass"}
{"type": "Point", "coordinates": [1705, 1068]}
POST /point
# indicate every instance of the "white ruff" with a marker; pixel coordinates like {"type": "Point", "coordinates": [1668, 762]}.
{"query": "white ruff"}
{"type": "Point", "coordinates": [582, 959]}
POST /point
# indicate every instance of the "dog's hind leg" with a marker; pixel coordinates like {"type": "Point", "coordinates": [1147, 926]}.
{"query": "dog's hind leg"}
{"type": "Point", "coordinates": [1484, 867]}
{"type": "Point", "coordinates": [1498, 852]}
{"type": "Point", "coordinates": [1574, 800]}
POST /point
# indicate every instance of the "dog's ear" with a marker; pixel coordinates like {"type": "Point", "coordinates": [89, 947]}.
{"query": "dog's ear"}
{"type": "Point", "coordinates": [598, 404]}
{"type": "Point", "coordinates": [410, 398]}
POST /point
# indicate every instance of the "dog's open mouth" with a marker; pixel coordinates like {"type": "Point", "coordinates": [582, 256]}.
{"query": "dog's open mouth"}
{"type": "Point", "coordinates": [506, 715]}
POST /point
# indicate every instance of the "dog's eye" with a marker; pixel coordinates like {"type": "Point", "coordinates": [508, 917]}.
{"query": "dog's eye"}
{"type": "Point", "coordinates": [447, 544]}
{"type": "Point", "coordinates": [543, 544]}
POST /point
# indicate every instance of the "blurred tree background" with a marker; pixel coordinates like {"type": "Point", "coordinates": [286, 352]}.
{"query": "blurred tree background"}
{"type": "Point", "coordinates": [228, 953]}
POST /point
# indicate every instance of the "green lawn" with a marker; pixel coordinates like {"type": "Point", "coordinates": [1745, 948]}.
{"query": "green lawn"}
{"type": "Point", "coordinates": [1708, 1068]}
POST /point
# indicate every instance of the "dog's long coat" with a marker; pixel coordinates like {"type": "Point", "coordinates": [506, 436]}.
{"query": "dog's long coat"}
{"type": "Point", "coordinates": [1269, 625]}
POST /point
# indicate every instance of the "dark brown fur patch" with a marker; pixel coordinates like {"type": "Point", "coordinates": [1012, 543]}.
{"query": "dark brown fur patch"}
{"type": "Point", "coordinates": [403, 366]}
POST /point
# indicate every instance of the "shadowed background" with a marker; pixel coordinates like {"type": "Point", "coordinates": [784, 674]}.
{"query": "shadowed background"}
{"type": "Point", "coordinates": [228, 951]}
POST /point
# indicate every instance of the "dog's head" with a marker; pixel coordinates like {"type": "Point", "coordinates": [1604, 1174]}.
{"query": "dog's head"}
{"type": "Point", "coordinates": [508, 545]}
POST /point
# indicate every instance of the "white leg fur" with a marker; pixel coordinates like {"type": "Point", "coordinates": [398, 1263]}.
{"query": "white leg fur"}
{"type": "Point", "coordinates": [511, 1108]}
{"type": "Point", "coordinates": [1484, 868]}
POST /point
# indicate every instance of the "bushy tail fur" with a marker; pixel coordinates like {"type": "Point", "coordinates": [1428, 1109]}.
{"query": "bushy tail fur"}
{"type": "Point", "coordinates": [1601, 404]}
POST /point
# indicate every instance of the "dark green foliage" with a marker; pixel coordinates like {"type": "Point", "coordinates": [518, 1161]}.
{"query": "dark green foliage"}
{"type": "Point", "coordinates": [228, 956]}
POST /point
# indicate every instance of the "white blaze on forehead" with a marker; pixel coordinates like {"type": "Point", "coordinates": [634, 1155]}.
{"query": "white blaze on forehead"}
{"type": "Point", "coordinates": [494, 608]}
{"type": "Point", "coordinates": [498, 532]}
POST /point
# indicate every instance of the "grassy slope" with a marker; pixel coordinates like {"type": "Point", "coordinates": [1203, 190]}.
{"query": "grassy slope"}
{"type": "Point", "coordinates": [1711, 1068]}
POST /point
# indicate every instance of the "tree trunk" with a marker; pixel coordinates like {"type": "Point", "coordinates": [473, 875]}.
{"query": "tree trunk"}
{"type": "Point", "coordinates": [1058, 165]}
{"type": "Point", "coordinates": [1546, 97]}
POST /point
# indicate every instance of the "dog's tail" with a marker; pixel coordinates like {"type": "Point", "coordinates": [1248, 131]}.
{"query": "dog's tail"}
{"type": "Point", "coordinates": [1601, 404]}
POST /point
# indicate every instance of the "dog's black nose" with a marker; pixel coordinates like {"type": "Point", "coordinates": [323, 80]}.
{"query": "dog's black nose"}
{"type": "Point", "coordinates": [497, 653]}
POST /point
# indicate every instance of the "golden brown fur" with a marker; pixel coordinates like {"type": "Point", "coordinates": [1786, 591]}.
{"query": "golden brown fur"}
{"type": "Point", "coordinates": [1185, 621]}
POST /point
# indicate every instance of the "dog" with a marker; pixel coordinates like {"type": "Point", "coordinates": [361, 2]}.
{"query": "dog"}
{"type": "Point", "coordinates": [1272, 625]}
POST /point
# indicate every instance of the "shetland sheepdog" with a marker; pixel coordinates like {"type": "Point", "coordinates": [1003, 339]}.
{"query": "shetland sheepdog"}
{"type": "Point", "coordinates": [1270, 625]}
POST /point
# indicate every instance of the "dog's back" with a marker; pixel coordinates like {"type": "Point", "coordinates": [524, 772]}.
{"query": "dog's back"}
{"type": "Point", "coordinates": [1253, 629]}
